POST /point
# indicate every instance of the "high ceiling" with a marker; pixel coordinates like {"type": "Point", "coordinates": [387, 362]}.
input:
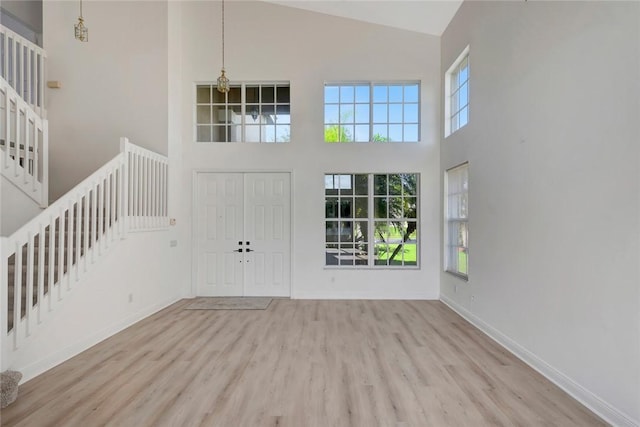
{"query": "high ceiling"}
{"type": "Point", "coordinates": [424, 16]}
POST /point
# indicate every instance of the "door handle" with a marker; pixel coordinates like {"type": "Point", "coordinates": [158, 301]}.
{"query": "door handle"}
{"type": "Point", "coordinates": [238, 250]}
{"type": "Point", "coordinates": [249, 250]}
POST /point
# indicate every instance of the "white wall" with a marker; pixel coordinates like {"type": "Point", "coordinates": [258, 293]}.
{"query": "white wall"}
{"type": "Point", "coordinates": [269, 42]}
{"type": "Point", "coordinates": [115, 85]}
{"type": "Point", "coordinates": [554, 190]}
{"type": "Point", "coordinates": [99, 306]}
{"type": "Point", "coordinates": [16, 208]}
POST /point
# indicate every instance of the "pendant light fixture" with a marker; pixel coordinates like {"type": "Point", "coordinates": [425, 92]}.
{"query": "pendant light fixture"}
{"type": "Point", "coordinates": [81, 32]}
{"type": "Point", "coordinates": [223, 81]}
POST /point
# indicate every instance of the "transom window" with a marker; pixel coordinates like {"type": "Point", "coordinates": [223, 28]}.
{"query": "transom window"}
{"type": "Point", "coordinates": [457, 220]}
{"type": "Point", "coordinates": [249, 112]}
{"type": "Point", "coordinates": [372, 112]}
{"type": "Point", "coordinates": [457, 90]}
{"type": "Point", "coordinates": [371, 220]}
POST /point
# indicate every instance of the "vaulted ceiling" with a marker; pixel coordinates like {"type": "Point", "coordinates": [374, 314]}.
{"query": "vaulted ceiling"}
{"type": "Point", "coordinates": [424, 16]}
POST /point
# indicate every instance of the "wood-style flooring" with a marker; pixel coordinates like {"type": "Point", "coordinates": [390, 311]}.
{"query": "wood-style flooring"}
{"type": "Point", "coordinates": [298, 363]}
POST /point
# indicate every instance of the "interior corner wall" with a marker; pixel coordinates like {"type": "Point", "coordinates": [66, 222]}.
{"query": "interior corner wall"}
{"type": "Point", "coordinates": [114, 85]}
{"type": "Point", "coordinates": [552, 145]}
{"type": "Point", "coordinates": [267, 42]}
{"type": "Point", "coordinates": [24, 17]}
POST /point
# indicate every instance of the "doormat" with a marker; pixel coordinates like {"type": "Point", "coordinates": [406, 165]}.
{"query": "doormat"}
{"type": "Point", "coordinates": [229, 303]}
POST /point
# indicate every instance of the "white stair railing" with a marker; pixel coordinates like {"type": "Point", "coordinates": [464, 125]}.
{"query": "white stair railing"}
{"type": "Point", "coordinates": [41, 262]}
{"type": "Point", "coordinates": [24, 145]}
{"type": "Point", "coordinates": [22, 65]}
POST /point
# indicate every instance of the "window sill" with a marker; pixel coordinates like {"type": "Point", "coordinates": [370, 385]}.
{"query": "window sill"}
{"type": "Point", "coordinates": [458, 275]}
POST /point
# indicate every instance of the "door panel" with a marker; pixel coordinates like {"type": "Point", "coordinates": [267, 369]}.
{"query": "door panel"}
{"type": "Point", "coordinates": [267, 225]}
{"type": "Point", "coordinates": [219, 230]}
{"type": "Point", "coordinates": [243, 211]}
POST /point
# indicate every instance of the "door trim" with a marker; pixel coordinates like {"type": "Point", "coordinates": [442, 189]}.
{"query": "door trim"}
{"type": "Point", "coordinates": [194, 221]}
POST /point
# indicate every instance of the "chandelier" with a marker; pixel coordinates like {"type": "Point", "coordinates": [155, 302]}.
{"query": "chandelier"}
{"type": "Point", "coordinates": [81, 32]}
{"type": "Point", "coordinates": [223, 81]}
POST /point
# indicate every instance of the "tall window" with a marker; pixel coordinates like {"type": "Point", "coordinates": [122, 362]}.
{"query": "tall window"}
{"type": "Point", "coordinates": [457, 220]}
{"type": "Point", "coordinates": [372, 112]}
{"type": "Point", "coordinates": [249, 112]}
{"type": "Point", "coordinates": [457, 94]}
{"type": "Point", "coordinates": [371, 220]}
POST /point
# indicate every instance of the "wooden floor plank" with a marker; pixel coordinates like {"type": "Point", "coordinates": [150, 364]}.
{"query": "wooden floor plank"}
{"type": "Point", "coordinates": [298, 363]}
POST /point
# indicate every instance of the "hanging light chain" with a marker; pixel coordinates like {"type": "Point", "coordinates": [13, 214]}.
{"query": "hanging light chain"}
{"type": "Point", "coordinates": [223, 34]}
{"type": "Point", "coordinates": [223, 81]}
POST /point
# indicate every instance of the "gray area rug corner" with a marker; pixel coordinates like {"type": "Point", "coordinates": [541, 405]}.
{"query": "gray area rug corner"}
{"type": "Point", "coordinates": [229, 303]}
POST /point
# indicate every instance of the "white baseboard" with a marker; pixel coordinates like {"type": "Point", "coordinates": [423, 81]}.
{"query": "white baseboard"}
{"type": "Point", "coordinates": [67, 353]}
{"type": "Point", "coordinates": [603, 409]}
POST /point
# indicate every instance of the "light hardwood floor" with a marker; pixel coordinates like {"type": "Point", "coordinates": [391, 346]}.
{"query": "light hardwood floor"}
{"type": "Point", "coordinates": [298, 363]}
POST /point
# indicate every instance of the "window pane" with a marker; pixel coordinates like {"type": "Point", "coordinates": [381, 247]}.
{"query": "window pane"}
{"type": "Point", "coordinates": [346, 208]}
{"type": "Point", "coordinates": [395, 93]}
{"type": "Point", "coordinates": [411, 133]}
{"type": "Point", "coordinates": [331, 207]}
{"type": "Point", "coordinates": [344, 184]}
{"type": "Point", "coordinates": [203, 114]}
{"type": "Point", "coordinates": [346, 231]}
{"type": "Point", "coordinates": [362, 113]}
{"type": "Point", "coordinates": [268, 94]}
{"type": "Point", "coordinates": [218, 97]}
{"type": "Point", "coordinates": [346, 114]}
{"type": "Point", "coordinates": [203, 94]}
{"type": "Point", "coordinates": [234, 95]}
{"type": "Point", "coordinates": [380, 93]}
{"type": "Point", "coordinates": [395, 113]}
{"type": "Point", "coordinates": [395, 133]}
{"type": "Point", "coordinates": [362, 94]}
{"type": "Point", "coordinates": [331, 114]}
{"type": "Point", "coordinates": [331, 255]}
{"type": "Point", "coordinates": [411, 93]}
{"type": "Point", "coordinates": [380, 133]}
{"type": "Point", "coordinates": [361, 133]}
{"type": "Point", "coordinates": [380, 184]}
{"type": "Point", "coordinates": [204, 134]}
{"type": "Point", "coordinates": [463, 94]}
{"type": "Point", "coordinates": [411, 113]}
{"type": "Point", "coordinates": [410, 207]}
{"type": "Point", "coordinates": [380, 113]}
{"type": "Point", "coordinates": [347, 93]}
{"type": "Point", "coordinates": [283, 133]}
{"type": "Point", "coordinates": [464, 116]}
{"type": "Point", "coordinates": [252, 133]}
{"type": "Point", "coordinates": [331, 94]}
{"type": "Point", "coordinates": [283, 94]}
{"type": "Point", "coordinates": [362, 207]}
{"type": "Point", "coordinates": [381, 207]}
{"type": "Point", "coordinates": [253, 94]}
{"type": "Point", "coordinates": [332, 233]}
{"type": "Point", "coordinates": [362, 184]}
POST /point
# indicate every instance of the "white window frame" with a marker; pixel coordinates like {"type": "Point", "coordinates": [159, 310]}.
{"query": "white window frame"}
{"type": "Point", "coordinates": [452, 87]}
{"type": "Point", "coordinates": [245, 112]}
{"type": "Point", "coordinates": [371, 105]}
{"type": "Point", "coordinates": [370, 220]}
{"type": "Point", "coordinates": [455, 196]}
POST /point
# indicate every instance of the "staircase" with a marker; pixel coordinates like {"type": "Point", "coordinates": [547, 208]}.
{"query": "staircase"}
{"type": "Point", "coordinates": [43, 261]}
{"type": "Point", "coordinates": [23, 128]}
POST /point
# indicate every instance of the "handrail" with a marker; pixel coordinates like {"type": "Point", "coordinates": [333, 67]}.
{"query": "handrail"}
{"type": "Point", "coordinates": [24, 145]}
{"type": "Point", "coordinates": [42, 260]}
{"type": "Point", "coordinates": [22, 65]}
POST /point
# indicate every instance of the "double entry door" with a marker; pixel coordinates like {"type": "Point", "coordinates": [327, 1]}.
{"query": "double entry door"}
{"type": "Point", "coordinates": [243, 231]}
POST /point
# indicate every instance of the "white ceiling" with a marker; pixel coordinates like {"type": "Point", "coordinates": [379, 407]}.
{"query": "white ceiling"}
{"type": "Point", "coordinates": [424, 16]}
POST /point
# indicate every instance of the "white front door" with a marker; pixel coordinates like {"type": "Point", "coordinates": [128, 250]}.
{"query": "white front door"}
{"type": "Point", "coordinates": [243, 234]}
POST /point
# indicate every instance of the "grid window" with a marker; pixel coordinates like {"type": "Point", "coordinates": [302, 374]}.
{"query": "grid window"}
{"type": "Point", "coordinates": [457, 100]}
{"type": "Point", "coordinates": [372, 112]}
{"type": "Point", "coordinates": [249, 112]}
{"type": "Point", "coordinates": [371, 220]}
{"type": "Point", "coordinates": [457, 220]}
